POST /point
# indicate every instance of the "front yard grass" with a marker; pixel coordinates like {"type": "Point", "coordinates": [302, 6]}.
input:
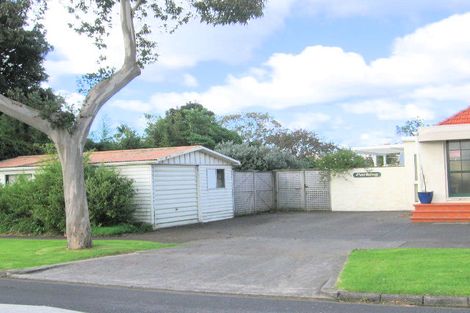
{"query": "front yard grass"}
{"type": "Point", "coordinates": [443, 272]}
{"type": "Point", "coordinates": [24, 253]}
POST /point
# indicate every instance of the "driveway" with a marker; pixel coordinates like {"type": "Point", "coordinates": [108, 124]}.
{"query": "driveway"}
{"type": "Point", "coordinates": [282, 254]}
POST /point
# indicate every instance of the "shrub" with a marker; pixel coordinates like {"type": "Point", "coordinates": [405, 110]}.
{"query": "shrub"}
{"type": "Point", "coordinates": [109, 197]}
{"type": "Point", "coordinates": [259, 157]}
{"type": "Point", "coordinates": [340, 162]}
{"type": "Point", "coordinates": [37, 206]}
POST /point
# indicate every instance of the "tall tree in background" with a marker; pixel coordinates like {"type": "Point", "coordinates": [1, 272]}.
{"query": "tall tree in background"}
{"type": "Point", "coordinates": [22, 52]}
{"type": "Point", "coordinates": [69, 129]}
{"type": "Point", "coordinates": [253, 127]}
{"type": "Point", "coordinates": [191, 124]}
{"type": "Point", "coordinates": [301, 142]}
{"type": "Point", "coordinates": [262, 129]}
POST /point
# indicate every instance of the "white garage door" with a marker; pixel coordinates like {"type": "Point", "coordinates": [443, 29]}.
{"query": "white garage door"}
{"type": "Point", "coordinates": [175, 195]}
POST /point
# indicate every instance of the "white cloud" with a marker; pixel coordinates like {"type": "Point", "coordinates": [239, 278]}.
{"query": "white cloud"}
{"type": "Point", "coordinates": [306, 120]}
{"type": "Point", "coordinates": [433, 58]}
{"type": "Point", "coordinates": [388, 110]}
{"type": "Point", "coordinates": [379, 8]}
{"type": "Point", "coordinates": [190, 81]}
{"type": "Point", "coordinates": [376, 138]}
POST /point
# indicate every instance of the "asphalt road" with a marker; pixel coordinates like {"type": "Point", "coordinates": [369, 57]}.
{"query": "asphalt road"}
{"type": "Point", "coordinates": [101, 299]}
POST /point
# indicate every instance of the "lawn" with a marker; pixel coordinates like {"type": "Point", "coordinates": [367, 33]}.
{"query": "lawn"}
{"type": "Point", "coordinates": [23, 253]}
{"type": "Point", "coordinates": [408, 271]}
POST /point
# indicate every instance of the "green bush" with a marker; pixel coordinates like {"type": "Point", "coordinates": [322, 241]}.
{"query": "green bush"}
{"type": "Point", "coordinates": [259, 157]}
{"type": "Point", "coordinates": [340, 162]}
{"type": "Point", "coordinates": [109, 197]}
{"type": "Point", "coordinates": [37, 206]}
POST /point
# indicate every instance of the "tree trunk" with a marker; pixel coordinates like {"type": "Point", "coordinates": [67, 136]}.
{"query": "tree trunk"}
{"type": "Point", "coordinates": [76, 206]}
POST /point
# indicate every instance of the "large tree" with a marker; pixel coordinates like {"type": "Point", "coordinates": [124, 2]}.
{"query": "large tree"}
{"type": "Point", "coordinates": [69, 130]}
{"type": "Point", "coordinates": [22, 52]}
{"type": "Point", "coordinates": [302, 143]}
{"type": "Point", "coordinates": [191, 124]}
{"type": "Point", "coordinates": [262, 129]}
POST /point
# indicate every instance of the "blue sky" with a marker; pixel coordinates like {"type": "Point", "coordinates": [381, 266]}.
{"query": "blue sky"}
{"type": "Point", "coordinates": [350, 70]}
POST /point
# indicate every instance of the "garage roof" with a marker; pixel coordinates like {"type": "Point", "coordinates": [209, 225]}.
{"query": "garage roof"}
{"type": "Point", "coordinates": [121, 156]}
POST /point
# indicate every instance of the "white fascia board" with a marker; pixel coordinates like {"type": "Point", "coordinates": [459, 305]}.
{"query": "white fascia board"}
{"type": "Point", "coordinates": [220, 156]}
{"type": "Point", "coordinates": [205, 150]}
{"type": "Point", "coordinates": [19, 168]}
{"type": "Point", "coordinates": [444, 133]}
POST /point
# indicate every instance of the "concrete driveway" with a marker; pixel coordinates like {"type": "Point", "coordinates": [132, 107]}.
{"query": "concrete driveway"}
{"type": "Point", "coordinates": [278, 254]}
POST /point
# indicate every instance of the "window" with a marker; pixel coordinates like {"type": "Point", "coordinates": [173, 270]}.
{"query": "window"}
{"type": "Point", "coordinates": [458, 167]}
{"type": "Point", "coordinates": [220, 178]}
{"type": "Point", "coordinates": [10, 179]}
{"type": "Point", "coordinates": [216, 178]}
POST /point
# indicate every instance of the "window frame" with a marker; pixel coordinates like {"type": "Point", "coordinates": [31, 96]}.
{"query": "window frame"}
{"type": "Point", "coordinates": [213, 179]}
{"type": "Point", "coordinates": [16, 176]}
{"type": "Point", "coordinates": [461, 171]}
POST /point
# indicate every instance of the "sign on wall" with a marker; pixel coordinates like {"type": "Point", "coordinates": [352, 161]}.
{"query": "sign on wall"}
{"type": "Point", "coordinates": [367, 174]}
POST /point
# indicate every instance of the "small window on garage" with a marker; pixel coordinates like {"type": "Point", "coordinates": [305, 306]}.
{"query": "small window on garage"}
{"type": "Point", "coordinates": [216, 178]}
{"type": "Point", "coordinates": [220, 178]}
{"type": "Point", "coordinates": [10, 179]}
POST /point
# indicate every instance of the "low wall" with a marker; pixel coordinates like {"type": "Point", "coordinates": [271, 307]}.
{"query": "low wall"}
{"type": "Point", "coordinates": [373, 189]}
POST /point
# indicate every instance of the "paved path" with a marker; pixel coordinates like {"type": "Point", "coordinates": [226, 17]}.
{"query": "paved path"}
{"type": "Point", "coordinates": [95, 299]}
{"type": "Point", "coordinates": [272, 254]}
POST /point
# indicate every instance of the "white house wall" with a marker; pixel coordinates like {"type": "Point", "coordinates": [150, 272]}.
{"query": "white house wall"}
{"type": "Point", "coordinates": [389, 192]}
{"type": "Point", "coordinates": [142, 178]}
{"type": "Point", "coordinates": [215, 204]}
{"type": "Point", "coordinates": [433, 166]}
{"type": "Point", "coordinates": [175, 195]}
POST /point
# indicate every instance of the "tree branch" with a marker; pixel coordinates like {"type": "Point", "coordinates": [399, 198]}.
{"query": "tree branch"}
{"type": "Point", "coordinates": [107, 88]}
{"type": "Point", "coordinates": [136, 6]}
{"type": "Point", "coordinates": [25, 114]}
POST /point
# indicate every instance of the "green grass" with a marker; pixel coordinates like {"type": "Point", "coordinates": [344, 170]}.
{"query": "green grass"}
{"type": "Point", "coordinates": [23, 253]}
{"type": "Point", "coordinates": [408, 271]}
{"type": "Point", "coordinates": [119, 229]}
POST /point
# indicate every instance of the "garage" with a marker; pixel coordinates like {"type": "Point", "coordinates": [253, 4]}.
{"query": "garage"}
{"type": "Point", "coordinates": [174, 185]}
{"type": "Point", "coordinates": [175, 195]}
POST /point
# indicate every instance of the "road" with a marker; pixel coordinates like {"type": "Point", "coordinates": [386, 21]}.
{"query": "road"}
{"type": "Point", "coordinates": [102, 299]}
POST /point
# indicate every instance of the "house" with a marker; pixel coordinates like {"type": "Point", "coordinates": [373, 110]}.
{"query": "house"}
{"type": "Point", "coordinates": [437, 160]}
{"type": "Point", "coordinates": [174, 186]}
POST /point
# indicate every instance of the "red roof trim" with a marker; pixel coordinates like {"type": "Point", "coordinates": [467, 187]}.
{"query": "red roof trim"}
{"type": "Point", "coordinates": [114, 156]}
{"type": "Point", "coordinates": [462, 117]}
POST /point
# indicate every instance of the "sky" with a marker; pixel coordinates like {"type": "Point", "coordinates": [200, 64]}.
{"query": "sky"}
{"type": "Point", "coordinates": [349, 70]}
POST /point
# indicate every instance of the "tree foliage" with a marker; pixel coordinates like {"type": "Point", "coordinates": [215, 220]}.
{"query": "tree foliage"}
{"type": "Point", "coordinates": [259, 157]}
{"type": "Point", "coordinates": [191, 124]}
{"type": "Point", "coordinates": [253, 127]}
{"type": "Point", "coordinates": [262, 129]}
{"type": "Point", "coordinates": [340, 162]}
{"type": "Point", "coordinates": [410, 128]}
{"type": "Point", "coordinates": [23, 48]}
{"type": "Point", "coordinates": [301, 142]}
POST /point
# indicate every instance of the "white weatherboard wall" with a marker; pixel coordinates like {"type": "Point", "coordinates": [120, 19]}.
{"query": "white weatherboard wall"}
{"type": "Point", "coordinates": [215, 203]}
{"type": "Point", "coordinates": [390, 192]}
{"type": "Point", "coordinates": [434, 166]}
{"type": "Point", "coordinates": [142, 183]}
{"type": "Point", "coordinates": [175, 195]}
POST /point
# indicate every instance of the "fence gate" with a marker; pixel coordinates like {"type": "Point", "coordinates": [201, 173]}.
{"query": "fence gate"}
{"type": "Point", "coordinates": [302, 190]}
{"type": "Point", "coordinates": [317, 191]}
{"type": "Point", "coordinates": [253, 192]}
